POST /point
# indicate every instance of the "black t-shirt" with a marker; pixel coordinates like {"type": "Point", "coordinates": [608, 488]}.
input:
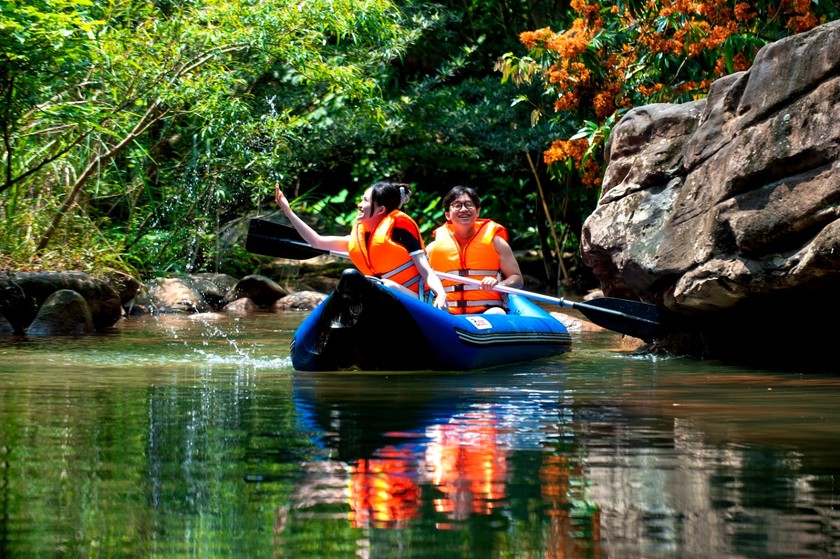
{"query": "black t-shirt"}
{"type": "Point", "coordinates": [402, 237]}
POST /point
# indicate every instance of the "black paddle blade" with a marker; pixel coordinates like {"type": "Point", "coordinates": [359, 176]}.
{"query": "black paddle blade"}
{"type": "Point", "coordinates": [270, 229]}
{"type": "Point", "coordinates": [633, 318]}
{"type": "Point", "coordinates": [274, 239]}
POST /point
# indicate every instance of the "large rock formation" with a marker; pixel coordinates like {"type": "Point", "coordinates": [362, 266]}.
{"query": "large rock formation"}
{"type": "Point", "coordinates": [724, 211]}
{"type": "Point", "coordinates": [58, 303]}
{"type": "Point", "coordinates": [22, 294]}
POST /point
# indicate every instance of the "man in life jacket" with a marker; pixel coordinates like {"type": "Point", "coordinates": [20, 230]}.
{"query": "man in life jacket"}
{"type": "Point", "coordinates": [384, 242]}
{"type": "Point", "coordinates": [469, 246]}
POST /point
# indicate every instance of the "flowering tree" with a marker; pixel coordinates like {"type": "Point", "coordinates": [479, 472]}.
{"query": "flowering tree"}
{"type": "Point", "coordinates": [616, 55]}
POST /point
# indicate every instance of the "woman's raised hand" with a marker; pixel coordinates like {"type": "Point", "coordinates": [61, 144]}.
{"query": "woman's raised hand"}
{"type": "Point", "coordinates": [281, 200]}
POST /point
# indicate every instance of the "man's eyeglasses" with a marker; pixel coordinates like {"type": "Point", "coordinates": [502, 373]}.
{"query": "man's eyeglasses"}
{"type": "Point", "coordinates": [458, 205]}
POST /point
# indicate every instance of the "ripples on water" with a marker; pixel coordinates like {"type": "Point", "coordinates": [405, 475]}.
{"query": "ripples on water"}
{"type": "Point", "coordinates": [181, 436]}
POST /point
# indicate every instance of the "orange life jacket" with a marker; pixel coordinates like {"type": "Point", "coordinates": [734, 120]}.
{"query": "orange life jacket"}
{"type": "Point", "coordinates": [478, 258]}
{"type": "Point", "coordinates": [466, 460]}
{"type": "Point", "coordinates": [385, 489]}
{"type": "Point", "coordinates": [384, 258]}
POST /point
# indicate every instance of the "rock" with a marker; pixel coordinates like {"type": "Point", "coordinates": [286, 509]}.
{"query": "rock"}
{"type": "Point", "coordinates": [23, 295]}
{"type": "Point", "coordinates": [243, 305]}
{"type": "Point", "coordinates": [575, 324]}
{"type": "Point", "coordinates": [629, 343]}
{"type": "Point", "coordinates": [102, 300]}
{"type": "Point", "coordinates": [5, 327]}
{"type": "Point", "coordinates": [224, 282]}
{"type": "Point", "coordinates": [206, 316]}
{"type": "Point", "coordinates": [65, 312]}
{"type": "Point", "coordinates": [125, 285]}
{"type": "Point", "coordinates": [593, 294]}
{"type": "Point", "coordinates": [211, 292]}
{"type": "Point", "coordinates": [300, 301]}
{"type": "Point", "coordinates": [168, 295]}
{"type": "Point", "coordinates": [316, 282]}
{"type": "Point", "coordinates": [196, 293]}
{"type": "Point", "coordinates": [261, 290]}
{"type": "Point", "coordinates": [724, 210]}
{"type": "Point", "coordinates": [16, 307]}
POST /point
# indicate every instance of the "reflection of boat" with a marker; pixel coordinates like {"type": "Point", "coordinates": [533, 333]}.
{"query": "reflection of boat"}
{"type": "Point", "coordinates": [411, 439]}
{"type": "Point", "coordinates": [360, 414]}
{"type": "Point", "coordinates": [364, 325]}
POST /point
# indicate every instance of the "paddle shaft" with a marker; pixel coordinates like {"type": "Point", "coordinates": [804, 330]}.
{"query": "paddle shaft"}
{"type": "Point", "coordinates": [546, 298]}
{"type": "Point", "coordinates": [634, 318]}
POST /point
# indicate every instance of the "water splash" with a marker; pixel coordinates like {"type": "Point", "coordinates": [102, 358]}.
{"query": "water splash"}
{"type": "Point", "coordinates": [222, 339]}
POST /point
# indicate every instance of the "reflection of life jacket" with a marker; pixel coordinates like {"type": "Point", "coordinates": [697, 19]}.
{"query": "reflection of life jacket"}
{"type": "Point", "coordinates": [381, 256]}
{"type": "Point", "coordinates": [478, 258]}
{"type": "Point", "coordinates": [468, 465]}
{"type": "Point", "coordinates": [384, 492]}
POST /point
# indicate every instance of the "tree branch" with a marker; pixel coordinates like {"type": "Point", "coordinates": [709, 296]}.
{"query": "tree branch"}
{"type": "Point", "coordinates": [148, 118]}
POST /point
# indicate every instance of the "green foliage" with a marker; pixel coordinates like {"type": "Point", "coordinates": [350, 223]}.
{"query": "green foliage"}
{"type": "Point", "coordinates": [141, 130]}
{"type": "Point", "coordinates": [448, 121]}
{"type": "Point", "coordinates": [80, 246]}
{"type": "Point", "coordinates": [157, 123]}
{"type": "Point", "coordinates": [140, 112]}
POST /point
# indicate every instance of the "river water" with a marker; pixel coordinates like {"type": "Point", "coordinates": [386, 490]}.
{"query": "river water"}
{"type": "Point", "coordinates": [194, 437]}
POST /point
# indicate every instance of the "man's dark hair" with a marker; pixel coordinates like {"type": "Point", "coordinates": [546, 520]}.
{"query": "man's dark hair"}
{"type": "Point", "coordinates": [457, 192]}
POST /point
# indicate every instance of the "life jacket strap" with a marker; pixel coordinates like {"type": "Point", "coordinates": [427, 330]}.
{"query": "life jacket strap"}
{"type": "Point", "coordinates": [465, 273]}
{"type": "Point", "coordinates": [465, 304]}
{"type": "Point", "coordinates": [397, 270]}
{"type": "Point", "coordinates": [481, 273]}
{"type": "Point", "coordinates": [460, 288]}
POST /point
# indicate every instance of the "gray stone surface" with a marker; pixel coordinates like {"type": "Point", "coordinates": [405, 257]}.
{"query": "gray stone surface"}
{"type": "Point", "coordinates": [726, 208]}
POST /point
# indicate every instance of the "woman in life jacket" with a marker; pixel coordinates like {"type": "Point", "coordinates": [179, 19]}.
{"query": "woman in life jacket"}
{"type": "Point", "coordinates": [384, 242]}
{"type": "Point", "coordinates": [467, 245]}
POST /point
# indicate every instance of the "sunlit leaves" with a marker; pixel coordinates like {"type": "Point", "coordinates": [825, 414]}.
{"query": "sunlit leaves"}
{"type": "Point", "coordinates": [167, 102]}
{"type": "Point", "coordinates": [609, 56]}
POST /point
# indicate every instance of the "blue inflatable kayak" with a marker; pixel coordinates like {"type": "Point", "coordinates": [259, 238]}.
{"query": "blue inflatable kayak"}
{"type": "Point", "coordinates": [364, 325]}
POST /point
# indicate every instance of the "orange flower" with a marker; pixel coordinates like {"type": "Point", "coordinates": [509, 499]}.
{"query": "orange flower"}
{"type": "Point", "coordinates": [604, 103]}
{"type": "Point", "coordinates": [558, 73]}
{"type": "Point", "coordinates": [800, 24]}
{"type": "Point", "coordinates": [740, 62]}
{"type": "Point", "coordinates": [563, 150]}
{"type": "Point", "coordinates": [567, 102]}
{"type": "Point", "coordinates": [532, 38]}
{"type": "Point", "coordinates": [584, 9]}
{"type": "Point", "coordinates": [592, 174]}
{"type": "Point", "coordinates": [802, 6]}
{"type": "Point", "coordinates": [743, 13]}
{"type": "Point", "coordinates": [649, 91]}
{"type": "Point", "coordinates": [580, 73]}
{"type": "Point", "coordinates": [573, 42]}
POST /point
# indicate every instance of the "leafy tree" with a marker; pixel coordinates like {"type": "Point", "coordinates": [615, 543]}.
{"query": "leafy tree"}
{"type": "Point", "coordinates": [124, 121]}
{"type": "Point", "coordinates": [451, 122]}
{"type": "Point", "coordinates": [136, 133]}
{"type": "Point", "coordinates": [612, 56]}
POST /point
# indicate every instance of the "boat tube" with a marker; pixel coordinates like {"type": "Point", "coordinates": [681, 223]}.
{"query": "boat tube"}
{"type": "Point", "coordinates": [364, 325]}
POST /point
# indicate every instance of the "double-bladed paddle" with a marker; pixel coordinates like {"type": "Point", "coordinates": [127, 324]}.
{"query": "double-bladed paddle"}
{"type": "Point", "coordinates": [640, 320]}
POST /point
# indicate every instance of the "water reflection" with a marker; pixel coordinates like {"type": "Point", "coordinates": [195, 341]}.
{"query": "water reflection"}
{"type": "Point", "coordinates": [168, 440]}
{"type": "Point", "coordinates": [446, 452]}
{"type": "Point", "coordinates": [466, 461]}
{"type": "Point", "coordinates": [617, 460]}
